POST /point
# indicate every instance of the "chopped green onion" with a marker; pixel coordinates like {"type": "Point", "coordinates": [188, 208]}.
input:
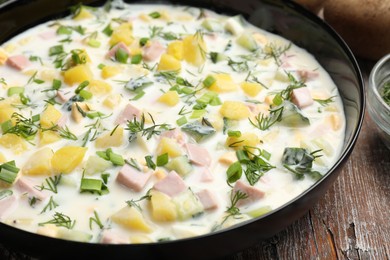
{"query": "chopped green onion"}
{"type": "Point", "coordinates": [56, 85]}
{"type": "Point", "coordinates": [92, 185]}
{"type": "Point", "coordinates": [197, 113]}
{"type": "Point", "coordinates": [149, 162]}
{"type": "Point", "coordinates": [232, 133]}
{"type": "Point", "coordinates": [95, 114]}
{"type": "Point", "coordinates": [55, 50]}
{"type": "Point", "coordinates": [215, 101]}
{"type": "Point", "coordinates": [187, 90]}
{"type": "Point", "coordinates": [181, 121]}
{"type": "Point", "coordinates": [155, 15]}
{"type": "Point", "coordinates": [116, 159]}
{"type": "Point", "coordinates": [266, 154]}
{"type": "Point", "coordinates": [85, 94]}
{"type": "Point", "coordinates": [121, 55]}
{"type": "Point", "coordinates": [136, 59]}
{"type": "Point", "coordinates": [5, 126]}
{"type": "Point", "coordinates": [15, 91]}
{"type": "Point", "coordinates": [234, 172]}
{"type": "Point", "coordinates": [5, 193]}
{"type": "Point", "coordinates": [143, 41]}
{"type": "Point", "coordinates": [8, 172]}
{"type": "Point", "coordinates": [35, 118]}
{"type": "Point", "coordinates": [101, 66]}
{"type": "Point", "coordinates": [108, 30]}
{"type": "Point", "coordinates": [82, 85]}
{"type": "Point", "coordinates": [162, 159]}
{"type": "Point", "coordinates": [140, 94]}
{"type": "Point", "coordinates": [94, 43]}
{"type": "Point", "coordinates": [64, 30]}
{"type": "Point", "coordinates": [242, 156]}
{"type": "Point", "coordinates": [103, 154]}
{"type": "Point", "coordinates": [207, 97]}
{"type": "Point", "coordinates": [208, 81]}
{"type": "Point", "coordinates": [23, 99]}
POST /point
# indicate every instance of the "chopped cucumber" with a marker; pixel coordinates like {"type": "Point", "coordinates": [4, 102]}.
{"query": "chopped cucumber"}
{"type": "Point", "coordinates": [234, 25]}
{"type": "Point", "coordinates": [198, 131]}
{"type": "Point", "coordinates": [74, 235]}
{"type": "Point", "coordinates": [212, 25]}
{"type": "Point", "coordinates": [179, 164]}
{"type": "Point", "coordinates": [292, 116]}
{"type": "Point", "coordinates": [217, 57]}
{"type": "Point", "coordinates": [247, 41]}
{"type": "Point", "coordinates": [96, 164]}
{"type": "Point", "coordinates": [187, 205]}
{"type": "Point", "coordinates": [259, 212]}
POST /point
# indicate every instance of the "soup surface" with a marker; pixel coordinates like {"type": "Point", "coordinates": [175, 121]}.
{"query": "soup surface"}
{"type": "Point", "coordinates": [145, 123]}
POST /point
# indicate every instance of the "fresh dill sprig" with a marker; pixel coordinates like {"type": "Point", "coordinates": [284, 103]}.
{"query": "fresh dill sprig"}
{"type": "Point", "coordinates": [325, 102]}
{"type": "Point", "coordinates": [264, 122]}
{"type": "Point", "coordinates": [95, 219]}
{"type": "Point", "coordinates": [50, 205]}
{"type": "Point", "coordinates": [60, 220]}
{"type": "Point", "coordinates": [51, 184]}
{"type": "Point", "coordinates": [238, 66]}
{"type": "Point", "coordinates": [274, 51]}
{"type": "Point", "coordinates": [24, 127]}
{"type": "Point", "coordinates": [135, 203]}
{"type": "Point", "coordinates": [138, 126]}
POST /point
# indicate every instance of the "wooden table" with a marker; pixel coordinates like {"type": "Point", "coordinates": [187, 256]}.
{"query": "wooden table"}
{"type": "Point", "coordinates": [352, 221]}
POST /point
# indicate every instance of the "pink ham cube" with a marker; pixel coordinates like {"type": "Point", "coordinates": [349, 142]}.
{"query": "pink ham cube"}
{"type": "Point", "coordinates": [253, 193]}
{"type": "Point", "coordinates": [19, 62]}
{"type": "Point", "coordinates": [307, 75]}
{"type": "Point", "coordinates": [26, 185]}
{"type": "Point", "coordinates": [208, 199]}
{"type": "Point", "coordinates": [171, 185]}
{"type": "Point", "coordinates": [153, 51]}
{"type": "Point", "coordinates": [198, 155]}
{"type": "Point", "coordinates": [301, 97]}
{"type": "Point", "coordinates": [132, 178]}
{"type": "Point", "coordinates": [128, 113]}
{"type": "Point", "coordinates": [110, 237]}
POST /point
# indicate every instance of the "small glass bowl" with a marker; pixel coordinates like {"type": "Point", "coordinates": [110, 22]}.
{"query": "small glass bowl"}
{"type": "Point", "coordinates": [376, 106]}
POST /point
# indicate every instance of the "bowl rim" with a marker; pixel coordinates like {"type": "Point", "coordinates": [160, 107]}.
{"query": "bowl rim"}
{"type": "Point", "coordinates": [372, 80]}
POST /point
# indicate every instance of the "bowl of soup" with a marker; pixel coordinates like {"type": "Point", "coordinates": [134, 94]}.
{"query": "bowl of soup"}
{"type": "Point", "coordinates": [162, 129]}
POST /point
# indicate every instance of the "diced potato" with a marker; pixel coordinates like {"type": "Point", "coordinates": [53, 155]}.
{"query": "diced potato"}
{"type": "Point", "coordinates": [48, 137]}
{"type": "Point", "coordinates": [49, 230]}
{"type": "Point", "coordinates": [131, 218]}
{"type": "Point", "coordinates": [67, 158]}
{"type": "Point", "coordinates": [110, 139]}
{"type": "Point", "coordinates": [112, 101]}
{"type": "Point", "coordinates": [2, 158]}
{"type": "Point", "coordinates": [48, 75]}
{"type": "Point", "coordinates": [251, 88]}
{"type": "Point", "coordinates": [170, 146]}
{"type": "Point", "coordinates": [3, 57]}
{"type": "Point", "coordinates": [77, 74]}
{"type": "Point", "coordinates": [123, 33]}
{"type": "Point", "coordinates": [228, 158]}
{"type": "Point", "coordinates": [39, 163]}
{"type": "Point", "coordinates": [6, 111]}
{"type": "Point", "coordinates": [170, 98]}
{"type": "Point", "coordinates": [168, 63]}
{"type": "Point", "coordinates": [223, 83]}
{"type": "Point", "coordinates": [16, 143]}
{"type": "Point", "coordinates": [164, 15]}
{"type": "Point", "coordinates": [83, 14]}
{"type": "Point", "coordinates": [216, 121]}
{"type": "Point", "coordinates": [246, 139]}
{"type": "Point", "coordinates": [260, 38]}
{"type": "Point", "coordinates": [247, 41]}
{"type": "Point", "coordinates": [335, 121]}
{"type": "Point", "coordinates": [140, 239]}
{"type": "Point", "coordinates": [96, 164]}
{"type": "Point", "coordinates": [10, 47]}
{"type": "Point", "coordinates": [194, 49]}
{"type": "Point", "coordinates": [145, 17]}
{"type": "Point", "coordinates": [234, 110]}
{"type": "Point", "coordinates": [187, 205]}
{"type": "Point", "coordinates": [175, 49]}
{"type": "Point", "coordinates": [76, 115]}
{"type": "Point", "coordinates": [163, 208]}
{"type": "Point", "coordinates": [110, 71]}
{"type": "Point", "coordinates": [74, 235]}
{"type": "Point", "coordinates": [99, 87]}
{"type": "Point", "coordinates": [50, 116]}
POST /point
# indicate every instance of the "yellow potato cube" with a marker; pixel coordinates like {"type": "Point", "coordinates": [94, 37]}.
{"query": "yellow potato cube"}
{"type": "Point", "coordinates": [228, 158]}
{"type": "Point", "coordinates": [39, 163]}
{"type": "Point", "coordinates": [234, 110]}
{"type": "Point", "coordinates": [99, 87]}
{"type": "Point", "coordinates": [246, 139]}
{"type": "Point", "coordinates": [50, 116]}
{"type": "Point", "coordinates": [3, 57]}
{"type": "Point", "coordinates": [67, 158]}
{"type": "Point", "coordinates": [83, 14]}
{"type": "Point", "coordinates": [110, 71]}
{"type": "Point", "coordinates": [77, 74]}
{"type": "Point", "coordinates": [16, 143]}
{"type": "Point", "coordinates": [194, 49]}
{"type": "Point", "coordinates": [216, 121]}
{"type": "Point", "coordinates": [175, 49]}
{"type": "Point", "coordinates": [112, 101]}
{"type": "Point", "coordinates": [2, 158]}
{"type": "Point", "coordinates": [223, 83]}
{"type": "Point", "coordinates": [110, 139]}
{"type": "Point", "coordinates": [6, 111]}
{"type": "Point", "coordinates": [48, 137]}
{"type": "Point", "coordinates": [170, 98]}
{"type": "Point", "coordinates": [168, 63]}
{"type": "Point", "coordinates": [163, 208]}
{"type": "Point", "coordinates": [123, 33]}
{"type": "Point", "coordinates": [140, 239]}
{"type": "Point", "coordinates": [170, 146]}
{"type": "Point", "coordinates": [131, 218]}
{"type": "Point", "coordinates": [145, 17]}
{"type": "Point", "coordinates": [251, 88]}
{"type": "Point", "coordinates": [335, 121]}
{"type": "Point", "coordinates": [10, 47]}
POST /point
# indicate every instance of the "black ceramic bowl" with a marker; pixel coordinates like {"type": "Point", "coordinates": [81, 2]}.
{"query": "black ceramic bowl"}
{"type": "Point", "coordinates": [281, 17]}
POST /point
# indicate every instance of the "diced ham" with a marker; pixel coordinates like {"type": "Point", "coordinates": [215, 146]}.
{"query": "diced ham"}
{"type": "Point", "coordinates": [18, 62]}
{"type": "Point", "coordinates": [205, 175]}
{"type": "Point", "coordinates": [128, 113]}
{"type": "Point", "coordinates": [307, 75]}
{"type": "Point", "coordinates": [62, 121]}
{"type": "Point", "coordinates": [132, 178]}
{"type": "Point", "coordinates": [176, 134]}
{"type": "Point", "coordinates": [208, 199]}
{"type": "Point", "coordinates": [7, 205]}
{"type": "Point", "coordinates": [64, 96]}
{"type": "Point", "coordinates": [301, 97]}
{"type": "Point", "coordinates": [110, 237]}
{"type": "Point", "coordinates": [153, 51]}
{"type": "Point", "coordinates": [198, 155]}
{"type": "Point", "coordinates": [48, 35]}
{"type": "Point", "coordinates": [171, 185]}
{"type": "Point", "coordinates": [26, 185]}
{"type": "Point", "coordinates": [253, 193]}
{"type": "Point", "coordinates": [111, 53]}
